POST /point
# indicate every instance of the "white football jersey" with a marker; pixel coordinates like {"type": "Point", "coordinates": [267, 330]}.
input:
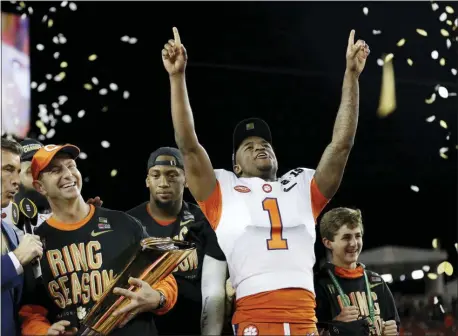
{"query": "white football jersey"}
{"type": "Point", "coordinates": [267, 231]}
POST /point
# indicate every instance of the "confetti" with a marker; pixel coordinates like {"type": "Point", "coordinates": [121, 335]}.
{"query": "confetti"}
{"type": "Point", "coordinates": [444, 33]}
{"type": "Point", "coordinates": [365, 10]}
{"type": "Point", "coordinates": [380, 62]}
{"type": "Point", "coordinates": [442, 61]}
{"type": "Point", "coordinates": [88, 86]}
{"type": "Point", "coordinates": [443, 92]}
{"type": "Point", "coordinates": [55, 105]}
{"type": "Point", "coordinates": [435, 243]}
{"type": "Point", "coordinates": [51, 133]}
{"type": "Point", "coordinates": [50, 23]}
{"type": "Point", "coordinates": [431, 99]}
{"type": "Point", "coordinates": [113, 173]}
{"type": "Point", "coordinates": [86, 179]}
{"type": "Point", "coordinates": [60, 77]}
{"type": "Point", "coordinates": [23, 16]}
{"type": "Point", "coordinates": [376, 32]}
{"type": "Point", "coordinates": [133, 40]}
{"type": "Point", "coordinates": [434, 6]}
{"type": "Point", "coordinates": [401, 42]}
{"type": "Point", "coordinates": [431, 119]}
{"type": "Point", "coordinates": [448, 43]}
{"type": "Point", "coordinates": [434, 54]}
{"type": "Point", "coordinates": [449, 22]}
{"type": "Point", "coordinates": [387, 103]}
{"type": "Point", "coordinates": [452, 94]}
{"type": "Point", "coordinates": [449, 10]}
{"type": "Point", "coordinates": [454, 71]}
{"type": "Point", "coordinates": [93, 57]}
{"type": "Point", "coordinates": [48, 76]}
{"type": "Point", "coordinates": [41, 137]}
{"type": "Point", "coordinates": [443, 17]}
{"type": "Point", "coordinates": [64, 3]}
{"type": "Point", "coordinates": [62, 99]}
{"type": "Point", "coordinates": [443, 124]}
{"type": "Point", "coordinates": [22, 4]}
{"type": "Point", "coordinates": [81, 113]}
{"type": "Point", "coordinates": [104, 109]}
{"type": "Point", "coordinates": [126, 94]}
{"type": "Point", "coordinates": [113, 87]}
{"type": "Point", "coordinates": [40, 47]}
{"type": "Point", "coordinates": [125, 38]}
{"type": "Point", "coordinates": [57, 112]}
{"type": "Point", "coordinates": [41, 87]}
{"type": "Point", "coordinates": [82, 156]}
{"type": "Point", "coordinates": [30, 9]}
{"type": "Point", "coordinates": [422, 32]}
{"type": "Point", "coordinates": [103, 92]}
{"type": "Point", "coordinates": [56, 55]}
{"type": "Point", "coordinates": [105, 144]}
{"type": "Point", "coordinates": [66, 119]}
{"type": "Point", "coordinates": [409, 62]}
{"type": "Point", "coordinates": [33, 85]}
{"type": "Point", "coordinates": [55, 40]}
{"type": "Point", "coordinates": [63, 64]}
{"type": "Point", "coordinates": [44, 18]}
{"type": "Point", "coordinates": [62, 39]}
{"type": "Point", "coordinates": [432, 276]}
{"type": "Point", "coordinates": [72, 6]}
{"type": "Point", "coordinates": [388, 58]}
{"type": "Point", "coordinates": [95, 80]}
{"type": "Point", "coordinates": [442, 152]}
{"type": "Point", "coordinates": [415, 188]}
{"type": "Point", "coordinates": [447, 137]}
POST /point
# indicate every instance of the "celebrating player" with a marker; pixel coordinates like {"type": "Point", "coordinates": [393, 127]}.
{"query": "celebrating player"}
{"type": "Point", "coordinates": [342, 287]}
{"type": "Point", "coordinates": [167, 215]}
{"type": "Point", "coordinates": [86, 248]}
{"type": "Point", "coordinates": [265, 225]}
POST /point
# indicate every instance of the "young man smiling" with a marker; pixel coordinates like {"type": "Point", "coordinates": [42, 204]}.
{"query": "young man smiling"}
{"type": "Point", "coordinates": [342, 287]}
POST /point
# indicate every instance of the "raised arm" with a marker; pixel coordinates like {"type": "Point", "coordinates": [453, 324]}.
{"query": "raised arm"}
{"type": "Point", "coordinates": [334, 159]}
{"type": "Point", "coordinates": [200, 176]}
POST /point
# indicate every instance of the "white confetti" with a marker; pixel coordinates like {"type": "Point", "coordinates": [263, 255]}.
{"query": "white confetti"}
{"type": "Point", "coordinates": [81, 113]}
{"type": "Point", "coordinates": [86, 179]}
{"type": "Point", "coordinates": [30, 9]}
{"type": "Point", "coordinates": [23, 16]}
{"type": "Point", "coordinates": [133, 40]}
{"type": "Point", "coordinates": [105, 144]}
{"type": "Point", "coordinates": [376, 32]}
{"type": "Point", "coordinates": [380, 62]}
{"type": "Point", "coordinates": [447, 137]}
{"type": "Point", "coordinates": [103, 91]}
{"type": "Point", "coordinates": [125, 38]}
{"type": "Point", "coordinates": [72, 6]}
{"type": "Point", "coordinates": [55, 40]}
{"type": "Point", "coordinates": [113, 173]}
{"type": "Point", "coordinates": [66, 119]}
{"type": "Point", "coordinates": [50, 133]}
{"type": "Point", "coordinates": [55, 105]}
{"type": "Point", "coordinates": [454, 71]}
{"type": "Point", "coordinates": [415, 188]}
{"type": "Point", "coordinates": [64, 3]}
{"type": "Point", "coordinates": [431, 119]}
{"type": "Point", "coordinates": [434, 54]}
{"type": "Point", "coordinates": [126, 94]}
{"type": "Point", "coordinates": [33, 85]}
{"type": "Point", "coordinates": [95, 80]}
{"type": "Point", "coordinates": [57, 112]}
{"type": "Point", "coordinates": [442, 152]}
{"type": "Point", "coordinates": [56, 55]}
{"type": "Point", "coordinates": [41, 87]}
{"type": "Point", "coordinates": [59, 77]}
{"type": "Point", "coordinates": [40, 47]}
{"type": "Point", "coordinates": [44, 18]}
{"type": "Point", "coordinates": [62, 39]}
{"type": "Point", "coordinates": [82, 156]}
{"type": "Point", "coordinates": [62, 99]}
{"type": "Point", "coordinates": [41, 137]}
{"type": "Point", "coordinates": [365, 10]}
{"type": "Point", "coordinates": [113, 87]}
{"type": "Point", "coordinates": [434, 6]}
{"type": "Point", "coordinates": [452, 94]}
{"type": "Point", "coordinates": [449, 43]}
{"type": "Point", "coordinates": [443, 17]}
{"type": "Point", "coordinates": [443, 92]}
{"type": "Point", "coordinates": [48, 76]}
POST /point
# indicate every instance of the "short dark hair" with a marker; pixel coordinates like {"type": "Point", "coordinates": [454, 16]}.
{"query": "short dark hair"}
{"type": "Point", "coordinates": [11, 146]}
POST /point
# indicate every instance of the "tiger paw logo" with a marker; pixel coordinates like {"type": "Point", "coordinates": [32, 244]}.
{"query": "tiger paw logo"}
{"type": "Point", "coordinates": [251, 330]}
{"type": "Point", "coordinates": [81, 313]}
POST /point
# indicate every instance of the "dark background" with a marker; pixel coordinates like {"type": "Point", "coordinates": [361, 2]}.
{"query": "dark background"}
{"type": "Point", "coordinates": [282, 62]}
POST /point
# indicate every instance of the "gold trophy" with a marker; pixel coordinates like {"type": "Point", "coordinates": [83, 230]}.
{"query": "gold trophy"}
{"type": "Point", "coordinates": [154, 260]}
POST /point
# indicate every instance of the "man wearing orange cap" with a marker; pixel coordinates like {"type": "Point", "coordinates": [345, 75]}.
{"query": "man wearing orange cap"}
{"type": "Point", "coordinates": [85, 249]}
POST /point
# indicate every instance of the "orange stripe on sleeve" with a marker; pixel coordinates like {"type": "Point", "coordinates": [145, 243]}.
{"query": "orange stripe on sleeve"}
{"type": "Point", "coordinates": [169, 288]}
{"type": "Point", "coordinates": [213, 206]}
{"type": "Point", "coordinates": [34, 321]}
{"type": "Point", "coordinates": [318, 200]}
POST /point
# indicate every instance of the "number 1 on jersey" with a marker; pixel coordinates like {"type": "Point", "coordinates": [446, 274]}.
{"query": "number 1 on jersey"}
{"type": "Point", "coordinates": [276, 241]}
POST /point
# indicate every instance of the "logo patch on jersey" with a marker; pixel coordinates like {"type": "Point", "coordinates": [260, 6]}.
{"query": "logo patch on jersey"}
{"type": "Point", "coordinates": [242, 189]}
{"type": "Point", "coordinates": [103, 220]}
{"type": "Point", "coordinates": [104, 226]}
{"type": "Point", "coordinates": [267, 188]}
{"type": "Point", "coordinates": [95, 234]}
{"type": "Point", "coordinates": [251, 330]}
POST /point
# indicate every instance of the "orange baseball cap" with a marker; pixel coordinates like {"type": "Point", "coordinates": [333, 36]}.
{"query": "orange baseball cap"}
{"type": "Point", "coordinates": [45, 154]}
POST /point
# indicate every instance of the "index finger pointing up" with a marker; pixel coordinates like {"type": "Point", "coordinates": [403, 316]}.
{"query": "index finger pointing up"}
{"type": "Point", "coordinates": [351, 38]}
{"type": "Point", "coordinates": [176, 37]}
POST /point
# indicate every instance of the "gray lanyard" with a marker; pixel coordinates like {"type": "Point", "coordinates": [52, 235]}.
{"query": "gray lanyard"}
{"type": "Point", "coordinates": [346, 301]}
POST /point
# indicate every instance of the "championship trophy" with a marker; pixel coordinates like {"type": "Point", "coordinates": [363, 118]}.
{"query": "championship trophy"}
{"type": "Point", "coordinates": [153, 260]}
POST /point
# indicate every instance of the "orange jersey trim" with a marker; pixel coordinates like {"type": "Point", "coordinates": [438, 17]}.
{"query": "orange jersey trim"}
{"type": "Point", "coordinates": [71, 226]}
{"type": "Point", "coordinates": [169, 288]}
{"type": "Point", "coordinates": [34, 321]}
{"type": "Point", "coordinates": [161, 222]}
{"type": "Point", "coordinates": [349, 273]}
{"type": "Point", "coordinates": [212, 207]}
{"type": "Point", "coordinates": [293, 305]}
{"type": "Point", "coordinates": [318, 199]}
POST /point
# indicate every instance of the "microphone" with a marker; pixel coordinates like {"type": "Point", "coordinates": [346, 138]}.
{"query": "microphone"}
{"type": "Point", "coordinates": [29, 212]}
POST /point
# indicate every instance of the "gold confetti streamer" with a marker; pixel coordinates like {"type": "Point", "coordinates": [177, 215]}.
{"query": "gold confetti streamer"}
{"type": "Point", "coordinates": [449, 10]}
{"type": "Point", "coordinates": [93, 57]}
{"type": "Point", "coordinates": [409, 62]}
{"type": "Point", "coordinates": [50, 23]}
{"type": "Point", "coordinates": [422, 32]}
{"type": "Point", "coordinates": [431, 99]}
{"type": "Point", "coordinates": [387, 103]}
{"type": "Point", "coordinates": [443, 124]}
{"type": "Point", "coordinates": [444, 33]}
{"type": "Point", "coordinates": [113, 173]}
{"type": "Point", "coordinates": [88, 86]}
{"type": "Point", "coordinates": [442, 61]}
{"type": "Point", "coordinates": [63, 64]}
{"type": "Point", "coordinates": [401, 42]}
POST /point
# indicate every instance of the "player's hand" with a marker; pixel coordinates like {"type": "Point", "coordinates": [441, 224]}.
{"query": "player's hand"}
{"type": "Point", "coordinates": [174, 55]}
{"type": "Point", "coordinates": [29, 248]}
{"type": "Point", "coordinates": [348, 314]}
{"type": "Point", "coordinates": [96, 201]}
{"type": "Point", "coordinates": [58, 329]}
{"type": "Point", "coordinates": [390, 328]}
{"type": "Point", "coordinates": [142, 300]}
{"type": "Point", "coordinates": [357, 54]}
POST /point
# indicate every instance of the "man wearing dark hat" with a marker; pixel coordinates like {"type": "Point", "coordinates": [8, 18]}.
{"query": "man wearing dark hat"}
{"type": "Point", "coordinates": [266, 224]}
{"type": "Point", "coordinates": [201, 277]}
